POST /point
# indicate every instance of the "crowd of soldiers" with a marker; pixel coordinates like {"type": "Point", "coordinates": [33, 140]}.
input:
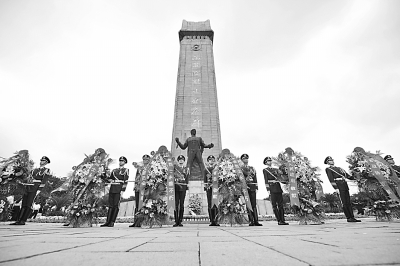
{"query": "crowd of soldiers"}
{"type": "Point", "coordinates": [273, 178]}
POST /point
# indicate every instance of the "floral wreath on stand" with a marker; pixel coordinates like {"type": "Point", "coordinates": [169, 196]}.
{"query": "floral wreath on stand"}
{"type": "Point", "coordinates": [195, 204]}
{"type": "Point", "coordinates": [381, 205]}
{"type": "Point", "coordinates": [232, 206]}
{"type": "Point", "coordinates": [154, 210]}
{"type": "Point", "coordinates": [87, 187]}
{"type": "Point", "coordinates": [307, 180]}
{"type": "Point", "coordinates": [14, 171]}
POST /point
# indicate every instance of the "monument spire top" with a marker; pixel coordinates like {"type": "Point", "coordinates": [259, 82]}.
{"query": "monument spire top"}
{"type": "Point", "coordinates": [200, 28]}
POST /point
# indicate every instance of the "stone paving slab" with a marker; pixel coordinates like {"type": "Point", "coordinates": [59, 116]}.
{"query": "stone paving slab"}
{"type": "Point", "coordinates": [334, 243]}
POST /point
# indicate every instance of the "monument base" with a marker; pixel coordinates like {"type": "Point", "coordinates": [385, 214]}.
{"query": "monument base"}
{"type": "Point", "coordinates": [196, 187]}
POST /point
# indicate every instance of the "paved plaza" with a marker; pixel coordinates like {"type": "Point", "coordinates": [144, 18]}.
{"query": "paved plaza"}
{"type": "Point", "coordinates": [334, 243]}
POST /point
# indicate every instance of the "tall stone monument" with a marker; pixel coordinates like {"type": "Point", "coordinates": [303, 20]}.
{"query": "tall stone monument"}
{"type": "Point", "coordinates": [196, 104]}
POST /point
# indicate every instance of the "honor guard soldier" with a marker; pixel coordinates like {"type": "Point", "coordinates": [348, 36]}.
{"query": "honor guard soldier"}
{"type": "Point", "coordinates": [195, 147]}
{"type": "Point", "coordinates": [181, 180]}
{"type": "Point", "coordinates": [272, 178]}
{"type": "Point", "coordinates": [212, 210]}
{"type": "Point", "coordinates": [337, 176]}
{"type": "Point", "coordinates": [36, 182]}
{"type": "Point", "coordinates": [138, 180]}
{"type": "Point", "coordinates": [118, 179]}
{"type": "Point", "coordinates": [251, 180]}
{"type": "Point", "coordinates": [396, 168]}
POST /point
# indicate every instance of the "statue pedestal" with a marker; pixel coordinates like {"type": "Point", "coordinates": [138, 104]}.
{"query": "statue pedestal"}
{"type": "Point", "coordinates": [196, 187]}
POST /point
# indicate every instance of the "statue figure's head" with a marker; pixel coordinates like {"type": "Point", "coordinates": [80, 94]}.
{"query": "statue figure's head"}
{"type": "Point", "coordinates": [193, 132]}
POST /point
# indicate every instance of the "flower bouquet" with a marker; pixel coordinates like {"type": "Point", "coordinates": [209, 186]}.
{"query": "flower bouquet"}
{"type": "Point", "coordinates": [152, 213]}
{"type": "Point", "coordinates": [82, 215]}
{"type": "Point", "coordinates": [13, 172]}
{"type": "Point", "coordinates": [307, 184]}
{"type": "Point", "coordinates": [158, 174]}
{"type": "Point", "coordinates": [372, 175]}
{"type": "Point", "coordinates": [4, 209]}
{"type": "Point", "coordinates": [386, 210]}
{"type": "Point", "coordinates": [195, 204]}
{"type": "Point", "coordinates": [232, 206]}
{"type": "Point", "coordinates": [87, 186]}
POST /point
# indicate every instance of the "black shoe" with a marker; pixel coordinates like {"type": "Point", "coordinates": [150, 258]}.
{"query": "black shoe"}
{"type": "Point", "coordinates": [19, 223]}
{"type": "Point", "coordinates": [113, 217]}
{"type": "Point", "coordinates": [67, 224]}
{"type": "Point", "coordinates": [282, 223]}
{"type": "Point", "coordinates": [251, 224]}
{"type": "Point", "coordinates": [211, 224]}
{"type": "Point", "coordinates": [132, 225]}
{"type": "Point", "coordinates": [109, 214]}
{"type": "Point", "coordinates": [20, 216]}
{"type": "Point", "coordinates": [180, 216]}
{"type": "Point", "coordinates": [175, 225]}
{"type": "Point", "coordinates": [358, 221]}
{"type": "Point", "coordinates": [257, 224]}
{"type": "Point", "coordinates": [351, 220]}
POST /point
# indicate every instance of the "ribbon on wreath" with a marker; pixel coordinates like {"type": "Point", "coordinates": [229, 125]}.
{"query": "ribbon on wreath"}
{"type": "Point", "coordinates": [144, 174]}
{"type": "Point", "coordinates": [319, 191]}
{"type": "Point", "coordinates": [393, 176]}
{"type": "Point", "coordinates": [214, 187]}
{"type": "Point", "coordinates": [243, 181]}
{"type": "Point", "coordinates": [376, 172]}
{"type": "Point", "coordinates": [170, 186]}
{"type": "Point", "coordinates": [293, 191]}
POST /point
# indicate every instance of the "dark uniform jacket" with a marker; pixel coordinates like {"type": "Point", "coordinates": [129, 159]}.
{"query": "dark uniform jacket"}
{"type": "Point", "coordinates": [119, 174]}
{"type": "Point", "coordinates": [337, 177]}
{"type": "Point", "coordinates": [40, 177]}
{"type": "Point", "coordinates": [270, 178]}
{"type": "Point", "coordinates": [139, 177]}
{"type": "Point", "coordinates": [181, 178]}
{"type": "Point", "coordinates": [208, 176]}
{"type": "Point", "coordinates": [250, 176]}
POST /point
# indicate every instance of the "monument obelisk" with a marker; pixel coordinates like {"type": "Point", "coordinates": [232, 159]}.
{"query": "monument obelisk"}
{"type": "Point", "coordinates": [196, 104]}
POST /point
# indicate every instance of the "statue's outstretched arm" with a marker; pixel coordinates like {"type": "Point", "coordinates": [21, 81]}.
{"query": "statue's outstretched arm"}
{"type": "Point", "coordinates": [209, 146]}
{"type": "Point", "coordinates": [182, 146]}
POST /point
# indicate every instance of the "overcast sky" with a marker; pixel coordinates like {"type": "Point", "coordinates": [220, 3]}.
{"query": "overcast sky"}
{"type": "Point", "coordinates": [319, 76]}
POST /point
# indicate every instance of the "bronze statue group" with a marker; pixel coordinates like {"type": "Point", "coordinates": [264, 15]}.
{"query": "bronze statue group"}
{"type": "Point", "coordinates": [230, 184]}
